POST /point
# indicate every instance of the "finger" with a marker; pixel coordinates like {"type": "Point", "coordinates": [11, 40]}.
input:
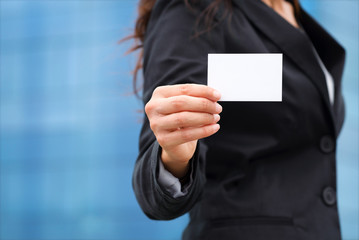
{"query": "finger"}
{"type": "Point", "coordinates": [187, 103]}
{"type": "Point", "coordinates": [185, 135]}
{"type": "Point", "coordinates": [186, 119]}
{"type": "Point", "coordinates": [194, 90]}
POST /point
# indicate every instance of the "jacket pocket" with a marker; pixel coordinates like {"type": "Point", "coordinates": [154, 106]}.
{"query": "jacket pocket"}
{"type": "Point", "coordinates": [248, 221]}
{"type": "Point", "coordinates": [251, 228]}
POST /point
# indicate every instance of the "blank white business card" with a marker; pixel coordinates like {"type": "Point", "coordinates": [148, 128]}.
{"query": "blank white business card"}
{"type": "Point", "coordinates": [246, 77]}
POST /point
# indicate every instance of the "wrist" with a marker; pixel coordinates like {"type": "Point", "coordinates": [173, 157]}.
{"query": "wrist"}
{"type": "Point", "coordinates": [177, 168]}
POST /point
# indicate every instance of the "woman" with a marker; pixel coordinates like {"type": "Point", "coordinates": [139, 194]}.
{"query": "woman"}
{"type": "Point", "coordinates": [269, 172]}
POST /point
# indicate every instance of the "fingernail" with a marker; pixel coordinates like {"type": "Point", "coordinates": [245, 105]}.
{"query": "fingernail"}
{"type": "Point", "coordinates": [218, 108]}
{"type": "Point", "coordinates": [216, 117]}
{"type": "Point", "coordinates": [216, 94]}
{"type": "Point", "coordinates": [215, 127]}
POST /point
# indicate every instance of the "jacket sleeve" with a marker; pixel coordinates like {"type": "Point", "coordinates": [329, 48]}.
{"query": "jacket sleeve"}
{"type": "Point", "coordinates": [172, 55]}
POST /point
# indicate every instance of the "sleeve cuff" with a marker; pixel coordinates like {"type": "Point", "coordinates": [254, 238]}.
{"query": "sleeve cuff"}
{"type": "Point", "coordinates": [171, 183]}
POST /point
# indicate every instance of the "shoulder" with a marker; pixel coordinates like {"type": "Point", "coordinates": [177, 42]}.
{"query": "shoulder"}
{"type": "Point", "coordinates": [164, 7]}
{"type": "Point", "coordinates": [169, 19]}
{"type": "Point", "coordinates": [186, 17]}
{"type": "Point", "coordinates": [179, 9]}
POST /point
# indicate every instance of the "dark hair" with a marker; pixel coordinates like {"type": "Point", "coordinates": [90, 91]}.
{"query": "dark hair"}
{"type": "Point", "coordinates": [144, 12]}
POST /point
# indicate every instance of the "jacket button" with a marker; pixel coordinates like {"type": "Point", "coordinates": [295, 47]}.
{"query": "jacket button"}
{"type": "Point", "coordinates": [327, 144]}
{"type": "Point", "coordinates": [329, 196]}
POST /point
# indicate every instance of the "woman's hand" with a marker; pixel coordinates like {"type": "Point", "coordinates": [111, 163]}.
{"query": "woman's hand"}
{"type": "Point", "coordinates": [179, 115]}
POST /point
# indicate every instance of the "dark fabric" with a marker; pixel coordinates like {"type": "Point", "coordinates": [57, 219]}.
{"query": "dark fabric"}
{"type": "Point", "coordinates": [266, 173]}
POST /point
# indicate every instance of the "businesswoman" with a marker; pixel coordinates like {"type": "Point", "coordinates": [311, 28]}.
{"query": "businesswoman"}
{"type": "Point", "coordinates": [269, 170]}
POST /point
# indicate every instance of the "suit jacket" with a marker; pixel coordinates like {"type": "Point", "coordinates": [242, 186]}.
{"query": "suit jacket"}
{"type": "Point", "coordinates": [270, 172]}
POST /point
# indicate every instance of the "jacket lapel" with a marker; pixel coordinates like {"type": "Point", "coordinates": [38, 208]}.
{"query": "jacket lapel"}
{"type": "Point", "coordinates": [332, 55]}
{"type": "Point", "coordinates": [296, 45]}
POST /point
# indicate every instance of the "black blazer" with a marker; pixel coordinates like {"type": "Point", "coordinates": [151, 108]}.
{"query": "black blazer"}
{"type": "Point", "coordinates": [270, 172]}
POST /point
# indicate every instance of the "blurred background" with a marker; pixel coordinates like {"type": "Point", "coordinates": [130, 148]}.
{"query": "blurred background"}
{"type": "Point", "coordinates": [69, 124]}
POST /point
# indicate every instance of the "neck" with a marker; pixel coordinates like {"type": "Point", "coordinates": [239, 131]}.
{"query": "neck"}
{"type": "Point", "coordinates": [275, 4]}
{"type": "Point", "coordinates": [284, 9]}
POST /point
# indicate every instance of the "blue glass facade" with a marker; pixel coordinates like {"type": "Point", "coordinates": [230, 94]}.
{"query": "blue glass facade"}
{"type": "Point", "coordinates": [69, 124]}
